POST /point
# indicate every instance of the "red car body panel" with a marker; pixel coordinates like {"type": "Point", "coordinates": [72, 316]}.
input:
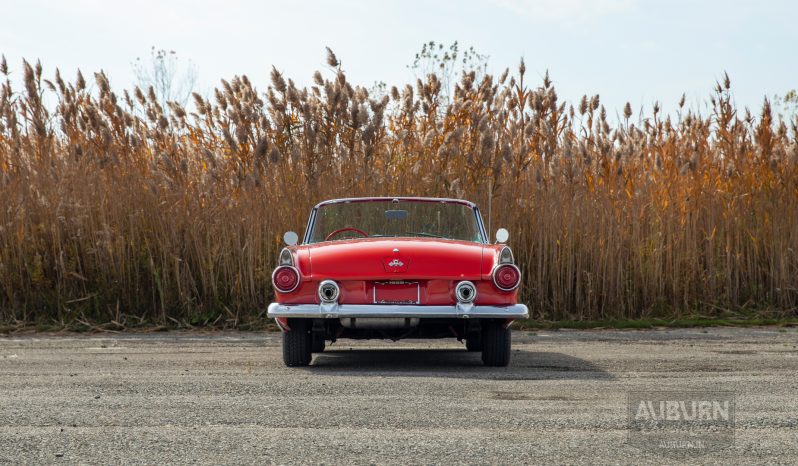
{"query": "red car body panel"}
{"type": "Point", "coordinates": [367, 259]}
{"type": "Point", "coordinates": [358, 265]}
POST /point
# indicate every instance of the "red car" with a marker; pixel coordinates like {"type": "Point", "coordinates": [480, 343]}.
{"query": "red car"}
{"type": "Point", "coordinates": [396, 268]}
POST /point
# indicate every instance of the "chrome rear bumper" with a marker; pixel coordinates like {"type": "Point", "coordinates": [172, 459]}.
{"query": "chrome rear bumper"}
{"type": "Point", "coordinates": [334, 311]}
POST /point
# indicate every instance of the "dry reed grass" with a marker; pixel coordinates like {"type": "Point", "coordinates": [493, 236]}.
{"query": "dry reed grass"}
{"type": "Point", "coordinates": [114, 209]}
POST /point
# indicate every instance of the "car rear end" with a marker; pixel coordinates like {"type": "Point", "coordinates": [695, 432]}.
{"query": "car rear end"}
{"type": "Point", "coordinates": [394, 288]}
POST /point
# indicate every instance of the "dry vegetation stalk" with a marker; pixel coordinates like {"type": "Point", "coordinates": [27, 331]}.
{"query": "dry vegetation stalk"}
{"type": "Point", "coordinates": [114, 206]}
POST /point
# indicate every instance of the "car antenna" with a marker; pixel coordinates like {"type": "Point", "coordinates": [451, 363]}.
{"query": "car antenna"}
{"type": "Point", "coordinates": [490, 205]}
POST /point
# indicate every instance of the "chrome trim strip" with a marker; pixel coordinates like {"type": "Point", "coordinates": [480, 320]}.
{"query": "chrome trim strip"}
{"type": "Point", "coordinates": [309, 226]}
{"type": "Point", "coordinates": [334, 311]}
{"type": "Point", "coordinates": [483, 232]}
{"type": "Point", "coordinates": [401, 199]}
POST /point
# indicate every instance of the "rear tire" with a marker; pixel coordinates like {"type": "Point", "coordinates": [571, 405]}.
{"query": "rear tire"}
{"type": "Point", "coordinates": [496, 343]}
{"type": "Point", "coordinates": [297, 343]}
{"type": "Point", "coordinates": [474, 342]}
{"type": "Point", "coordinates": [318, 343]}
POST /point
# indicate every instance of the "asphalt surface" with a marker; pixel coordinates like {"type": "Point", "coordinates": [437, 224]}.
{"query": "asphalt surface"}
{"type": "Point", "coordinates": [226, 398]}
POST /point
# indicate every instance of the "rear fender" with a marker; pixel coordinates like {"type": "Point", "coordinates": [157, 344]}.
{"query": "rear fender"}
{"type": "Point", "coordinates": [282, 322]}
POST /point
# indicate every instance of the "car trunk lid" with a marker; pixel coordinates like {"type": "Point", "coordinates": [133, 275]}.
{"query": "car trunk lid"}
{"type": "Point", "coordinates": [396, 259]}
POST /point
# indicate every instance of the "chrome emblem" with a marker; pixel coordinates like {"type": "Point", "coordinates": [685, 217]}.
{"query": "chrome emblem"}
{"type": "Point", "coordinates": [395, 249]}
{"type": "Point", "coordinates": [396, 263]}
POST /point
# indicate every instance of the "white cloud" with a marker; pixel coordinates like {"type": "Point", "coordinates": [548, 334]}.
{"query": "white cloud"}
{"type": "Point", "coordinates": [569, 12]}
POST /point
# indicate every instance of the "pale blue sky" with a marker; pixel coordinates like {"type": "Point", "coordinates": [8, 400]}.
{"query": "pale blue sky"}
{"type": "Point", "coordinates": [635, 50]}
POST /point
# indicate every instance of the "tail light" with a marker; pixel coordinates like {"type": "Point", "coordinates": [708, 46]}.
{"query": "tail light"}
{"type": "Point", "coordinates": [286, 258]}
{"type": "Point", "coordinates": [506, 256]}
{"type": "Point", "coordinates": [506, 277]}
{"type": "Point", "coordinates": [285, 278]}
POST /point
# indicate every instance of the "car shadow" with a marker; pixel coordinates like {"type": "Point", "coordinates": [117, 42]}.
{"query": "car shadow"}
{"type": "Point", "coordinates": [454, 363]}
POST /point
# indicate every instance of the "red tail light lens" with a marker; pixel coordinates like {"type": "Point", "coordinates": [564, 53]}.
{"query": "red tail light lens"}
{"type": "Point", "coordinates": [285, 278]}
{"type": "Point", "coordinates": [506, 277]}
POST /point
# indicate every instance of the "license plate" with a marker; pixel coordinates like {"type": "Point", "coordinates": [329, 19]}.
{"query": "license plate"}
{"type": "Point", "coordinates": [396, 292]}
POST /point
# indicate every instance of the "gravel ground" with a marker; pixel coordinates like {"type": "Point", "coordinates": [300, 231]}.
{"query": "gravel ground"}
{"type": "Point", "coordinates": [226, 398]}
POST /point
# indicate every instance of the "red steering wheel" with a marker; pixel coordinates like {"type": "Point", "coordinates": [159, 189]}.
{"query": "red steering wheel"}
{"type": "Point", "coordinates": [341, 230]}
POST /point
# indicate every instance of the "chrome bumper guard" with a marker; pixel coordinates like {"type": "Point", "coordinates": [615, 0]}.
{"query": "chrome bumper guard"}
{"type": "Point", "coordinates": [334, 311]}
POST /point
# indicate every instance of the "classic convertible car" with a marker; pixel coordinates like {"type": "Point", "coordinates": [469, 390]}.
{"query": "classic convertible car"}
{"type": "Point", "coordinates": [396, 268]}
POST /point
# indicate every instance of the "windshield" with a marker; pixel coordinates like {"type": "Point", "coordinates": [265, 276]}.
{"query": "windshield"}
{"type": "Point", "coordinates": [395, 219]}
